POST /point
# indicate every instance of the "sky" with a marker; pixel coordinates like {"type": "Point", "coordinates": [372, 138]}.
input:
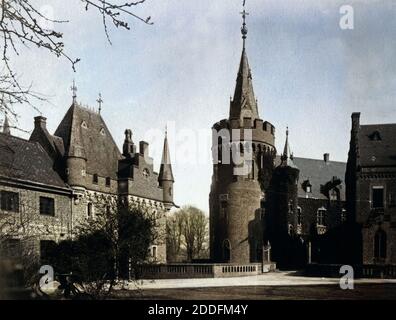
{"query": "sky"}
{"type": "Point", "coordinates": [308, 74]}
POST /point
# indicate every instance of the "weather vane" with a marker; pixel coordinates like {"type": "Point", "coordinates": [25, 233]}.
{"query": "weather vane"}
{"type": "Point", "coordinates": [244, 29]}
{"type": "Point", "coordinates": [100, 101]}
{"type": "Point", "coordinates": [73, 88]}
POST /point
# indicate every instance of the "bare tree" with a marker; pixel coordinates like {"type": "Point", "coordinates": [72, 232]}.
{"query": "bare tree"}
{"type": "Point", "coordinates": [174, 230]}
{"type": "Point", "coordinates": [188, 227]}
{"type": "Point", "coordinates": [22, 24]}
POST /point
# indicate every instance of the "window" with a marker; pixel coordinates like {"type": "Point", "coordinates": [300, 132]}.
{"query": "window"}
{"type": "Point", "coordinates": [47, 206]}
{"type": "Point", "coordinates": [90, 210]}
{"type": "Point", "coordinates": [95, 179]}
{"type": "Point", "coordinates": [84, 125]}
{"type": "Point", "coordinates": [154, 252]}
{"type": "Point", "coordinates": [108, 181]}
{"type": "Point", "coordinates": [380, 244]}
{"type": "Point", "coordinates": [83, 172]}
{"type": "Point", "coordinates": [333, 195]}
{"type": "Point", "coordinates": [377, 197]}
{"type": "Point", "coordinates": [320, 217]}
{"type": "Point", "coordinates": [170, 191]}
{"type": "Point", "coordinates": [9, 201]}
{"type": "Point", "coordinates": [102, 131]}
{"type": "Point", "coordinates": [299, 216]}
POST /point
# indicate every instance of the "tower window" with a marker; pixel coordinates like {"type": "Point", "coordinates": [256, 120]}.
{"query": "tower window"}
{"type": "Point", "coordinates": [47, 206]}
{"type": "Point", "coordinates": [108, 181]}
{"type": "Point", "coordinates": [377, 197]}
{"type": "Point", "coordinates": [9, 201]}
{"type": "Point", "coordinates": [90, 210]}
{"type": "Point", "coordinates": [95, 179]}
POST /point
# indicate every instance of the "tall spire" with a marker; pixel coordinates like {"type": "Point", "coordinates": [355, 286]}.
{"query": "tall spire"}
{"type": "Point", "coordinates": [287, 156]}
{"type": "Point", "coordinates": [244, 104]}
{"type": "Point", "coordinates": [6, 125]}
{"type": "Point", "coordinates": [165, 173]}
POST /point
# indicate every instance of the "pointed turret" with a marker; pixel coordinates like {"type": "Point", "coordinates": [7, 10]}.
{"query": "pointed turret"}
{"type": "Point", "coordinates": [165, 177]}
{"type": "Point", "coordinates": [287, 156]}
{"type": "Point", "coordinates": [244, 104]}
{"type": "Point", "coordinates": [6, 126]}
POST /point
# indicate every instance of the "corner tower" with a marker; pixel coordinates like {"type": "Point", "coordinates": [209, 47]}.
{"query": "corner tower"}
{"type": "Point", "coordinates": [243, 153]}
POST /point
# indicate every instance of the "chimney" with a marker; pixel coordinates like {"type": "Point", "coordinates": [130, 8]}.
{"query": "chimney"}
{"type": "Point", "coordinates": [326, 157]}
{"type": "Point", "coordinates": [143, 148]}
{"type": "Point", "coordinates": [40, 122]}
{"type": "Point", "coordinates": [355, 121]}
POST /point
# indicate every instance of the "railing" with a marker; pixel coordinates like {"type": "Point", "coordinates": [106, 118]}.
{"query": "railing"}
{"type": "Point", "coordinates": [196, 270]}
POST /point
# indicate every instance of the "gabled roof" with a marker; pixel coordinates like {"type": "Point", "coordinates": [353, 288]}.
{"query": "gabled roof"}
{"type": "Point", "coordinates": [377, 145]}
{"type": "Point", "coordinates": [85, 134]}
{"type": "Point", "coordinates": [25, 160]}
{"type": "Point", "coordinates": [318, 172]}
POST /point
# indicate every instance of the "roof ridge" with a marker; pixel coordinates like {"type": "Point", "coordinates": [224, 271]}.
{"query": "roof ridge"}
{"type": "Point", "coordinates": [337, 161]}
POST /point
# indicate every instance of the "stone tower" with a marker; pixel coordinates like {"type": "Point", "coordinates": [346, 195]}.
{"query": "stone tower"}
{"type": "Point", "coordinates": [241, 147]}
{"type": "Point", "coordinates": [282, 202]}
{"type": "Point", "coordinates": [165, 178]}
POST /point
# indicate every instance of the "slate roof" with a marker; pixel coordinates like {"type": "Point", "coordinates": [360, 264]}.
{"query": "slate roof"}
{"type": "Point", "coordinates": [244, 103]}
{"type": "Point", "coordinates": [377, 145]}
{"type": "Point", "coordinates": [85, 130]}
{"type": "Point", "coordinates": [26, 160]}
{"type": "Point", "coordinates": [318, 172]}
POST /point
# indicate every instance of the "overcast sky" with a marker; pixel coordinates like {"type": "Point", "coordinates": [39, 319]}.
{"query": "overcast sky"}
{"type": "Point", "coordinates": [308, 74]}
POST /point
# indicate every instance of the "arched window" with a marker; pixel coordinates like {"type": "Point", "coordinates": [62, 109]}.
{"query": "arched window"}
{"type": "Point", "coordinates": [226, 250]}
{"type": "Point", "coordinates": [380, 245]}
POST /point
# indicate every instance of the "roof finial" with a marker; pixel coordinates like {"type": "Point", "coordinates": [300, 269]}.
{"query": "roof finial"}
{"type": "Point", "coordinates": [73, 88]}
{"type": "Point", "coordinates": [244, 29]}
{"type": "Point", "coordinates": [100, 101]}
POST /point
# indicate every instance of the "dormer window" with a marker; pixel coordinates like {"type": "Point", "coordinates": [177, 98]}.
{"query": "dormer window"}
{"type": "Point", "coordinates": [84, 125]}
{"type": "Point", "coordinates": [102, 131]}
{"type": "Point", "coordinates": [307, 186]}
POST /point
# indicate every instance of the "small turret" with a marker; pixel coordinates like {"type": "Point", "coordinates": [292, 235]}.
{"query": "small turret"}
{"type": "Point", "coordinates": [165, 178]}
{"type": "Point", "coordinates": [76, 159]}
{"type": "Point", "coordinates": [129, 148]}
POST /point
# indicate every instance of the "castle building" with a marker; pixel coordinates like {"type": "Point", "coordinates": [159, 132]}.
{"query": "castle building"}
{"type": "Point", "coordinates": [242, 141]}
{"type": "Point", "coordinates": [63, 179]}
{"type": "Point", "coordinates": [305, 208]}
{"type": "Point", "coordinates": [371, 190]}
